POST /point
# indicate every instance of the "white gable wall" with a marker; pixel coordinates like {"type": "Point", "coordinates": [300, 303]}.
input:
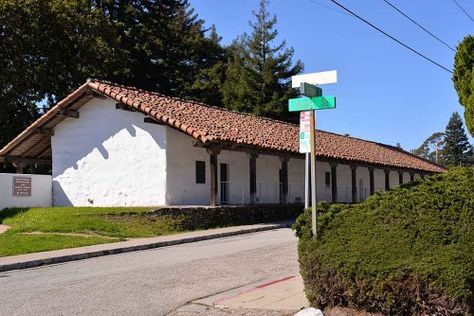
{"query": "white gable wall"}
{"type": "Point", "coordinates": [108, 157]}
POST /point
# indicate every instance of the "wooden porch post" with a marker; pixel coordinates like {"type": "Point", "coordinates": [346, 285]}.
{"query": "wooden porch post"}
{"type": "Point", "coordinates": [253, 176]}
{"type": "Point", "coordinates": [354, 183]}
{"type": "Point", "coordinates": [372, 182]}
{"type": "Point", "coordinates": [333, 182]}
{"type": "Point", "coordinates": [387, 179]}
{"type": "Point", "coordinates": [213, 152]}
{"type": "Point", "coordinates": [412, 176]}
{"type": "Point", "coordinates": [400, 177]}
{"type": "Point", "coordinates": [19, 167]}
{"type": "Point", "coordinates": [284, 179]}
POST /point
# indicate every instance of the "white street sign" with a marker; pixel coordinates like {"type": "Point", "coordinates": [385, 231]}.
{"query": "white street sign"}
{"type": "Point", "coordinates": [305, 131]}
{"type": "Point", "coordinates": [323, 77]}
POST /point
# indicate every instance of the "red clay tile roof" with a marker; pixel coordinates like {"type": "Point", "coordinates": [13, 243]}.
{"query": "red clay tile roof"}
{"type": "Point", "coordinates": [211, 124]}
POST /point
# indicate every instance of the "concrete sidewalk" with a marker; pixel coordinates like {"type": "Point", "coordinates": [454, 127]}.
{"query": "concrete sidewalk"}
{"type": "Point", "coordinates": [280, 297]}
{"type": "Point", "coordinates": [136, 244]}
{"type": "Point", "coordinates": [285, 294]}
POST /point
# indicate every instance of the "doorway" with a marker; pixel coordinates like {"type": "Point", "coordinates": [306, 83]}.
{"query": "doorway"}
{"type": "Point", "coordinates": [224, 183]}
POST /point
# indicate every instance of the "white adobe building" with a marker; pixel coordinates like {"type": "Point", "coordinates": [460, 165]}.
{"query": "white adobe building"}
{"type": "Point", "coordinates": [110, 145]}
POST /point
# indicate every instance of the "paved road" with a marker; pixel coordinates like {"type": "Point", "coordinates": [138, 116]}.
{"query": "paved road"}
{"type": "Point", "coordinates": [153, 282]}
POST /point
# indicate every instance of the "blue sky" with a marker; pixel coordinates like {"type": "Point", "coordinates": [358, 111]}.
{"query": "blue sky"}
{"type": "Point", "coordinates": [385, 93]}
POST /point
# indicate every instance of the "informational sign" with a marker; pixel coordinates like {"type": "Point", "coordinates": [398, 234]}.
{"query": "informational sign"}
{"type": "Point", "coordinates": [21, 186]}
{"type": "Point", "coordinates": [316, 103]}
{"type": "Point", "coordinates": [322, 77]}
{"type": "Point", "coordinates": [310, 90]}
{"type": "Point", "coordinates": [305, 132]}
{"type": "Point", "coordinates": [325, 102]}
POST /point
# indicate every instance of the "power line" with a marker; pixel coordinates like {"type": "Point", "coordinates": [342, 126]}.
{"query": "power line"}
{"type": "Point", "coordinates": [419, 25]}
{"type": "Point", "coordinates": [465, 12]}
{"type": "Point", "coordinates": [391, 37]}
{"type": "Point", "coordinates": [330, 8]}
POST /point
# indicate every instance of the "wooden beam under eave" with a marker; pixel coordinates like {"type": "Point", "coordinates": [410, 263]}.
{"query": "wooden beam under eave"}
{"type": "Point", "coordinates": [27, 161]}
{"type": "Point", "coordinates": [96, 94]}
{"type": "Point", "coordinates": [151, 120]}
{"type": "Point", "coordinates": [45, 131]}
{"type": "Point", "coordinates": [69, 113]}
{"type": "Point", "coordinates": [123, 107]}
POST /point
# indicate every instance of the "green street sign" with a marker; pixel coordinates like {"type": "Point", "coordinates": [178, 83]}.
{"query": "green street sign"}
{"type": "Point", "coordinates": [325, 102]}
{"type": "Point", "coordinates": [316, 103]}
{"type": "Point", "coordinates": [300, 104]}
{"type": "Point", "coordinates": [310, 90]}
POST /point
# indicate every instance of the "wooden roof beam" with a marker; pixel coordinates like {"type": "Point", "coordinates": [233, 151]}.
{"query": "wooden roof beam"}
{"type": "Point", "coordinates": [69, 113]}
{"type": "Point", "coordinates": [45, 131]}
{"type": "Point", "coordinates": [152, 120]}
{"type": "Point", "coordinates": [27, 161]}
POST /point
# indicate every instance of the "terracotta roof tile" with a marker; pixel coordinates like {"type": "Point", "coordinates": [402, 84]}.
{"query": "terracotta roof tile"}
{"type": "Point", "coordinates": [209, 124]}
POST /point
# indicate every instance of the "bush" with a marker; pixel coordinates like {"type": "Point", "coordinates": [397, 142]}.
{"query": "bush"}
{"type": "Point", "coordinates": [406, 251]}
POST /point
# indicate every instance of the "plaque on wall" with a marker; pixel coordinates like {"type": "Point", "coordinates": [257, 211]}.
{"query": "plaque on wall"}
{"type": "Point", "coordinates": [22, 186]}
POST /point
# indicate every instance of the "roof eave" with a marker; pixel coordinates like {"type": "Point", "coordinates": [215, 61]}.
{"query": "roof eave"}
{"type": "Point", "coordinates": [4, 152]}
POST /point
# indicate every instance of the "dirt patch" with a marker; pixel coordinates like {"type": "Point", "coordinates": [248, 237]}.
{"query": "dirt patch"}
{"type": "Point", "coordinates": [4, 228]}
{"type": "Point", "coordinates": [343, 311]}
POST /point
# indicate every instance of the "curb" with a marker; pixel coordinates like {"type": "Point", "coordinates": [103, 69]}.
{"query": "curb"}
{"type": "Point", "coordinates": [160, 244]}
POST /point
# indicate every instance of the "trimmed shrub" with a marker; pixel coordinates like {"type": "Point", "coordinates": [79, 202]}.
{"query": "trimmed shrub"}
{"type": "Point", "coordinates": [408, 251]}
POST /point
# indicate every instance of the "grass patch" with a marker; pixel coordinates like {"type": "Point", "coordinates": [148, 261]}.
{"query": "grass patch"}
{"type": "Point", "coordinates": [93, 221]}
{"type": "Point", "coordinates": [14, 244]}
{"type": "Point", "coordinates": [40, 229]}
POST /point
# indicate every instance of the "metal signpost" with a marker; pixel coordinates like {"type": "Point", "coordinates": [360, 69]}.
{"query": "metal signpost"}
{"type": "Point", "coordinates": [311, 100]}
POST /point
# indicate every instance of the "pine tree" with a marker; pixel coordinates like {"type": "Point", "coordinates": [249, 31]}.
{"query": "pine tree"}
{"type": "Point", "coordinates": [457, 150]}
{"type": "Point", "coordinates": [259, 72]}
{"type": "Point", "coordinates": [209, 79]}
{"type": "Point", "coordinates": [50, 47]}
{"type": "Point", "coordinates": [463, 79]}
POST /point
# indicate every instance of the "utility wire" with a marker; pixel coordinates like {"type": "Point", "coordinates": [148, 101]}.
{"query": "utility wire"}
{"type": "Point", "coordinates": [419, 25]}
{"type": "Point", "coordinates": [462, 9]}
{"type": "Point", "coordinates": [391, 37]}
{"type": "Point", "coordinates": [330, 8]}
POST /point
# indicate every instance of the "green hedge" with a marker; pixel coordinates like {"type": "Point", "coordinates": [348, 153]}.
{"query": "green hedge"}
{"type": "Point", "coordinates": [403, 252]}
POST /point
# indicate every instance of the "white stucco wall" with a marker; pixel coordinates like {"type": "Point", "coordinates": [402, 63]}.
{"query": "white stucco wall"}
{"type": "Point", "coordinates": [323, 192]}
{"type": "Point", "coordinates": [268, 180]}
{"type": "Point", "coordinates": [183, 190]}
{"type": "Point", "coordinates": [363, 187]}
{"type": "Point", "coordinates": [379, 180]}
{"type": "Point", "coordinates": [394, 181]}
{"type": "Point", "coordinates": [40, 191]}
{"type": "Point", "coordinates": [108, 157]}
{"type": "Point", "coordinates": [406, 177]}
{"type": "Point", "coordinates": [296, 180]}
{"type": "Point", "coordinates": [181, 156]}
{"type": "Point", "coordinates": [344, 183]}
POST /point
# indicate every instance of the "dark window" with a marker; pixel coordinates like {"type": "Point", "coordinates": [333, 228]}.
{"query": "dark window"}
{"type": "Point", "coordinates": [200, 172]}
{"type": "Point", "coordinates": [327, 179]}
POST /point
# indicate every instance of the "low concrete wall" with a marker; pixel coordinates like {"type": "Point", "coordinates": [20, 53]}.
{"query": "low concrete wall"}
{"type": "Point", "coordinates": [222, 216]}
{"type": "Point", "coordinates": [24, 190]}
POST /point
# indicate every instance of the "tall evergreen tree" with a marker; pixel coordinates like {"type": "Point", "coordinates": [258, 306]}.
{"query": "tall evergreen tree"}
{"type": "Point", "coordinates": [49, 47]}
{"type": "Point", "coordinates": [457, 150]}
{"type": "Point", "coordinates": [463, 79]}
{"type": "Point", "coordinates": [259, 72]}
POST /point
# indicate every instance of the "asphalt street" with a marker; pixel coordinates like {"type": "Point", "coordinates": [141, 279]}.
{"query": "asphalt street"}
{"type": "Point", "coordinates": [152, 282]}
